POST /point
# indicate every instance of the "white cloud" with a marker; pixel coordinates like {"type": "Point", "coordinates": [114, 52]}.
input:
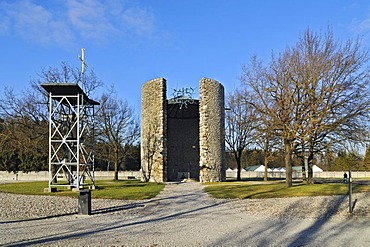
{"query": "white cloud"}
{"type": "Point", "coordinates": [364, 25]}
{"type": "Point", "coordinates": [361, 27]}
{"type": "Point", "coordinates": [33, 23]}
{"type": "Point", "coordinates": [62, 23]}
{"type": "Point", "coordinates": [139, 20]}
{"type": "Point", "coordinates": [90, 20]}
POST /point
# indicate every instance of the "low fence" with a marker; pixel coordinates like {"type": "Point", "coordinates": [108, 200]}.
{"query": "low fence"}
{"type": "Point", "coordinates": [44, 175]}
{"type": "Point", "coordinates": [297, 174]}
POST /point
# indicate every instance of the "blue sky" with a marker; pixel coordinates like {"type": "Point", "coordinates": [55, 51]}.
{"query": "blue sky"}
{"type": "Point", "coordinates": [129, 42]}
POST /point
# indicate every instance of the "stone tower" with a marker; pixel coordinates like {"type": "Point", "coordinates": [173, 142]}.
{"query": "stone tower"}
{"type": "Point", "coordinates": [212, 131]}
{"type": "Point", "coordinates": [153, 131]}
{"type": "Point", "coordinates": [183, 141]}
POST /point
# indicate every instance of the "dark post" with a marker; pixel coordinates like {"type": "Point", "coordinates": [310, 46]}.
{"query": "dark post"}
{"type": "Point", "coordinates": [84, 202]}
{"type": "Point", "coordinates": [350, 191]}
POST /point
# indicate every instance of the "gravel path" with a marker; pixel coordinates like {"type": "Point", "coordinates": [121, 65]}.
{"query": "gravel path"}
{"type": "Point", "coordinates": [183, 215]}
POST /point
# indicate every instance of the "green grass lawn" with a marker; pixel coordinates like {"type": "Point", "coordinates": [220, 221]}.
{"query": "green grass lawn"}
{"type": "Point", "coordinates": [245, 190]}
{"type": "Point", "coordinates": [137, 190]}
{"type": "Point", "coordinates": [106, 189]}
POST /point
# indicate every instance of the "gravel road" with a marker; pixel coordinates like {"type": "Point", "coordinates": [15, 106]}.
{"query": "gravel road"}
{"type": "Point", "coordinates": [184, 215]}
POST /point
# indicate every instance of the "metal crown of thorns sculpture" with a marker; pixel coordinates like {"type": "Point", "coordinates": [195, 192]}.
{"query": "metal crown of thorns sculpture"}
{"type": "Point", "coordinates": [71, 133]}
{"type": "Point", "coordinates": [183, 96]}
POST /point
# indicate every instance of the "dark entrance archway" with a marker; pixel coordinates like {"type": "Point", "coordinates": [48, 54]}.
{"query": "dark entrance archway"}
{"type": "Point", "coordinates": [183, 141]}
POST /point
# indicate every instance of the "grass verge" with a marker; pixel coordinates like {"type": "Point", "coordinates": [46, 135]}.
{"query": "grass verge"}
{"type": "Point", "coordinates": [105, 189]}
{"type": "Point", "coordinates": [245, 190]}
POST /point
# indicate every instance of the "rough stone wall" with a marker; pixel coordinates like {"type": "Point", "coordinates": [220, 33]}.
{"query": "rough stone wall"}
{"type": "Point", "coordinates": [212, 131]}
{"type": "Point", "coordinates": [153, 131]}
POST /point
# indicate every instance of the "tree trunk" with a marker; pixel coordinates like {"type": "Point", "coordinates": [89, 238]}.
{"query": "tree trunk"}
{"type": "Point", "coordinates": [265, 178]}
{"type": "Point", "coordinates": [115, 171]}
{"type": "Point", "coordinates": [310, 175]}
{"type": "Point", "coordinates": [310, 158]}
{"type": "Point", "coordinates": [305, 168]}
{"type": "Point", "coordinates": [288, 164]}
{"type": "Point", "coordinates": [265, 154]}
{"type": "Point", "coordinates": [239, 166]}
{"type": "Point", "coordinates": [309, 168]}
{"type": "Point", "coordinates": [116, 165]}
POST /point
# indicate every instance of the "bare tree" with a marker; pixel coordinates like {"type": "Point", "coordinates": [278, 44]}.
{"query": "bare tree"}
{"type": "Point", "coordinates": [240, 123]}
{"type": "Point", "coordinates": [25, 116]}
{"type": "Point", "coordinates": [313, 93]}
{"type": "Point", "coordinates": [118, 128]}
{"type": "Point", "coordinates": [276, 98]}
{"type": "Point", "coordinates": [334, 80]}
{"type": "Point", "coordinates": [267, 140]}
{"type": "Point", "coordinates": [68, 74]}
{"type": "Point", "coordinates": [25, 131]}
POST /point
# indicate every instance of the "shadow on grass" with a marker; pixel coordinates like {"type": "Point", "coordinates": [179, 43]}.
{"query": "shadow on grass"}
{"type": "Point", "coordinates": [250, 190]}
{"type": "Point", "coordinates": [261, 193]}
{"type": "Point", "coordinates": [253, 179]}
